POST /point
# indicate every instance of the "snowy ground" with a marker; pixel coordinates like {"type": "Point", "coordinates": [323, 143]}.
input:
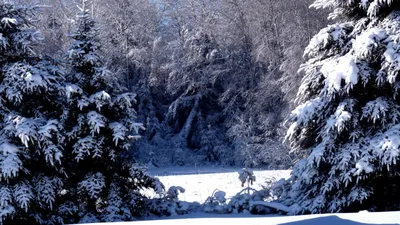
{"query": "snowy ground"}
{"type": "Point", "coordinates": [361, 218]}
{"type": "Point", "coordinates": [201, 183]}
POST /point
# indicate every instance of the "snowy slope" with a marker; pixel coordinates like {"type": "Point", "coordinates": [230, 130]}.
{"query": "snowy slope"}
{"type": "Point", "coordinates": [200, 186]}
{"type": "Point", "coordinates": [362, 218]}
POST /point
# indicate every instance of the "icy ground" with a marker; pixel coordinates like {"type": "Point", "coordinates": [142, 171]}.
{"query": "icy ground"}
{"type": "Point", "coordinates": [200, 183]}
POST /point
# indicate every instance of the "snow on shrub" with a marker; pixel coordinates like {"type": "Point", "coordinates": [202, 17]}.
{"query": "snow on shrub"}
{"type": "Point", "coordinates": [247, 200]}
{"type": "Point", "coordinates": [169, 204]}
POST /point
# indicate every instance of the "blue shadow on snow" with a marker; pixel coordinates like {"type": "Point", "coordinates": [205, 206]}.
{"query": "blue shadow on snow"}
{"type": "Point", "coordinates": [330, 220]}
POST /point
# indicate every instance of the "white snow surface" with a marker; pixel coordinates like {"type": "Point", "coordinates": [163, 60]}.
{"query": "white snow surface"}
{"type": "Point", "coordinates": [346, 69]}
{"type": "Point", "coordinates": [361, 218]}
{"type": "Point", "coordinates": [201, 183]}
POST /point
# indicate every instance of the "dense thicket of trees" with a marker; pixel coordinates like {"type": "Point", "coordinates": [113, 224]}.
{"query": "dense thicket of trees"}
{"type": "Point", "coordinates": [214, 79]}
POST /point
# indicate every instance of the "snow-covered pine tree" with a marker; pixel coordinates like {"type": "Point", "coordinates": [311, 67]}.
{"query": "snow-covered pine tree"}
{"type": "Point", "coordinates": [30, 141]}
{"type": "Point", "coordinates": [348, 122]}
{"type": "Point", "coordinates": [103, 184]}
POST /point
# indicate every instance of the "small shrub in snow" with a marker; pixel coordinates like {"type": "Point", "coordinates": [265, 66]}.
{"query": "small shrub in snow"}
{"type": "Point", "coordinates": [173, 192]}
{"type": "Point", "coordinates": [241, 202]}
{"type": "Point", "coordinates": [247, 176]}
{"type": "Point", "coordinates": [248, 200]}
{"type": "Point", "coordinates": [220, 196]}
{"type": "Point", "coordinates": [216, 203]}
{"type": "Point", "coordinates": [169, 204]}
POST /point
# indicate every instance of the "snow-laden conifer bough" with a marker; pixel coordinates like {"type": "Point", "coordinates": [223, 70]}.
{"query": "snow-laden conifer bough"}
{"type": "Point", "coordinates": [348, 120]}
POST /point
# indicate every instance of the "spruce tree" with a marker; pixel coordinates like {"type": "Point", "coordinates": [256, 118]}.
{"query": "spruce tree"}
{"type": "Point", "coordinates": [348, 122]}
{"type": "Point", "coordinates": [31, 145]}
{"type": "Point", "coordinates": [103, 183]}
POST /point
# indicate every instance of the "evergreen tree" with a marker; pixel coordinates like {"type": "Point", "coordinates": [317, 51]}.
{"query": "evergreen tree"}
{"type": "Point", "coordinates": [103, 183]}
{"type": "Point", "coordinates": [31, 150]}
{"type": "Point", "coordinates": [348, 119]}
